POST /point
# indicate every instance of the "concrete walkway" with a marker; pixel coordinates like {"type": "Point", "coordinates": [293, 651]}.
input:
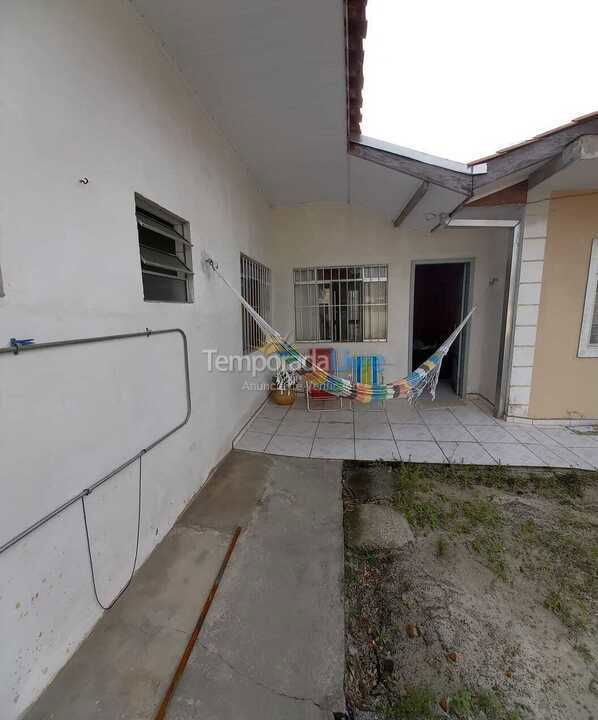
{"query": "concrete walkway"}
{"type": "Point", "coordinates": [273, 642]}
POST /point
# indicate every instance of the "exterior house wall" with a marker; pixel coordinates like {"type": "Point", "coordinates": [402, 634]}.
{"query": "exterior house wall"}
{"type": "Point", "coordinates": [91, 93]}
{"type": "Point", "coordinates": [337, 234]}
{"type": "Point", "coordinates": [531, 267]}
{"type": "Point", "coordinates": [565, 385]}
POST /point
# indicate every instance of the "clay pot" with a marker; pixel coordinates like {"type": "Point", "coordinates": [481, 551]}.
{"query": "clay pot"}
{"type": "Point", "coordinates": [284, 397]}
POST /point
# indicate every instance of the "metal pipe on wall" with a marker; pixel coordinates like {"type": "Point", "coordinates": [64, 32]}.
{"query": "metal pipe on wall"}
{"type": "Point", "coordinates": [17, 349]}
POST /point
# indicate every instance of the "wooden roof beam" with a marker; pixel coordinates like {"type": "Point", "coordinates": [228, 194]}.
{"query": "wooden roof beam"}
{"type": "Point", "coordinates": [433, 174]}
{"type": "Point", "coordinates": [412, 203]}
{"type": "Point", "coordinates": [584, 148]}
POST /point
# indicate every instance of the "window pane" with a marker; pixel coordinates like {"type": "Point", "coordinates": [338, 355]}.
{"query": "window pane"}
{"type": "Point", "coordinates": [159, 259]}
{"type": "Point", "coordinates": [165, 256]}
{"type": "Point", "coordinates": [165, 289]}
{"type": "Point", "coordinates": [351, 307]}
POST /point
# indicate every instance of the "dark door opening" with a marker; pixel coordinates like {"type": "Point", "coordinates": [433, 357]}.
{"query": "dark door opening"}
{"type": "Point", "coordinates": [440, 299]}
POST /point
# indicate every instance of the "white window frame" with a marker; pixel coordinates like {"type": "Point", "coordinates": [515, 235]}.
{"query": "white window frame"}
{"type": "Point", "coordinates": [315, 275]}
{"type": "Point", "coordinates": [175, 228]}
{"type": "Point", "coordinates": [256, 289]}
{"type": "Point", "coordinates": [590, 308]}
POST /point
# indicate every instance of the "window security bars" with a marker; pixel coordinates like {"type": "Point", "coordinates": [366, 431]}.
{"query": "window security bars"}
{"type": "Point", "coordinates": [341, 304]}
{"type": "Point", "coordinates": [256, 289]}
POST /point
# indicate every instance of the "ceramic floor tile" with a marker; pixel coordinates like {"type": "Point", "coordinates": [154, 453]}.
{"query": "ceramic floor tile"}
{"type": "Point", "coordinates": [289, 445]}
{"type": "Point", "coordinates": [370, 419]}
{"type": "Point", "coordinates": [472, 416]}
{"type": "Point", "coordinates": [490, 433]}
{"type": "Point", "coordinates": [335, 416]}
{"type": "Point", "coordinates": [264, 425]}
{"type": "Point", "coordinates": [325, 405]}
{"type": "Point", "coordinates": [379, 431]}
{"type": "Point", "coordinates": [328, 448]}
{"type": "Point", "coordinates": [414, 451]}
{"type": "Point", "coordinates": [557, 457]}
{"type": "Point", "coordinates": [439, 417]}
{"type": "Point", "coordinates": [589, 454]}
{"type": "Point", "coordinates": [466, 453]}
{"type": "Point", "coordinates": [273, 412]}
{"type": "Point", "coordinates": [254, 441]}
{"type": "Point", "coordinates": [569, 439]}
{"type": "Point", "coordinates": [526, 434]}
{"type": "Point", "coordinates": [376, 450]}
{"type": "Point", "coordinates": [402, 431]}
{"type": "Point", "coordinates": [335, 430]}
{"type": "Point", "coordinates": [301, 428]}
{"type": "Point", "coordinates": [399, 411]}
{"type": "Point", "coordinates": [302, 415]}
{"type": "Point", "coordinates": [451, 433]}
{"type": "Point", "coordinates": [512, 454]}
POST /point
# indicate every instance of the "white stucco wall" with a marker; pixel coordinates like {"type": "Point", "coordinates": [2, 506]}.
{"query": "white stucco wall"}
{"type": "Point", "coordinates": [87, 91]}
{"type": "Point", "coordinates": [337, 234]}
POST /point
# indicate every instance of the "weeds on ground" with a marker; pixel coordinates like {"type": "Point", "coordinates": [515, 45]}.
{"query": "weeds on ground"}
{"type": "Point", "coordinates": [478, 520]}
{"type": "Point", "coordinates": [422, 704]}
{"type": "Point", "coordinates": [563, 557]}
{"type": "Point", "coordinates": [567, 563]}
{"type": "Point", "coordinates": [415, 704]}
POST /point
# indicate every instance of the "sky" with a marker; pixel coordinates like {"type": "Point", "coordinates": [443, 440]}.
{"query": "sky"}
{"type": "Point", "coordinates": [462, 79]}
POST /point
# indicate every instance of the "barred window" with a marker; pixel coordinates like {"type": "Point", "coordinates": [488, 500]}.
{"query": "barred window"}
{"type": "Point", "coordinates": [256, 289]}
{"type": "Point", "coordinates": [341, 304]}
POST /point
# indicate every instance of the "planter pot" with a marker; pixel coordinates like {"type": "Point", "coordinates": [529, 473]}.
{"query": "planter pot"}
{"type": "Point", "coordinates": [284, 397]}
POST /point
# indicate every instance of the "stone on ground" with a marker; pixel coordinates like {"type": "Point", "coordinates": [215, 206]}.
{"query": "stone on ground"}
{"type": "Point", "coordinates": [379, 526]}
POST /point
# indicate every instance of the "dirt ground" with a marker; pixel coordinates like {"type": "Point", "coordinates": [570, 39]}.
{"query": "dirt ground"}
{"type": "Point", "coordinates": [471, 592]}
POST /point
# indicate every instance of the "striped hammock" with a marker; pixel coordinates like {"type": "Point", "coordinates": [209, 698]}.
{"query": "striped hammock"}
{"type": "Point", "coordinates": [410, 387]}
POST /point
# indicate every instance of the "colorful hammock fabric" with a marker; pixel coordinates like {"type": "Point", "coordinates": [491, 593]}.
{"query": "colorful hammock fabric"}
{"type": "Point", "coordinates": [410, 387]}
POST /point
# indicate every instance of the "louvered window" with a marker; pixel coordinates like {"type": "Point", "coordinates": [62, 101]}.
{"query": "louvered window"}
{"type": "Point", "coordinates": [165, 253]}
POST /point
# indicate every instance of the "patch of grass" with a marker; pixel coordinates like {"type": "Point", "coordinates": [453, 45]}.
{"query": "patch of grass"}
{"type": "Point", "coordinates": [442, 547]}
{"type": "Point", "coordinates": [565, 556]}
{"type": "Point", "coordinates": [478, 513]}
{"type": "Point", "coordinates": [466, 703]}
{"type": "Point", "coordinates": [566, 485]}
{"type": "Point", "coordinates": [415, 704]}
{"type": "Point", "coordinates": [490, 546]}
{"type": "Point", "coordinates": [462, 703]}
{"type": "Point", "coordinates": [414, 498]}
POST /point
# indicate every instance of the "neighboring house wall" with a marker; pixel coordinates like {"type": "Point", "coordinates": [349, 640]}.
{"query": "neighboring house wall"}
{"type": "Point", "coordinates": [565, 385]}
{"type": "Point", "coordinates": [89, 92]}
{"type": "Point", "coordinates": [335, 234]}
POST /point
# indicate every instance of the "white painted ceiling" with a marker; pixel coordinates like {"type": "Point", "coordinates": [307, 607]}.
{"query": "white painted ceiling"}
{"type": "Point", "coordinates": [580, 175]}
{"type": "Point", "coordinates": [272, 75]}
{"type": "Point", "coordinates": [387, 191]}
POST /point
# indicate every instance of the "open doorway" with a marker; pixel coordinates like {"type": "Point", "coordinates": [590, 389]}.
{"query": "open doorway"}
{"type": "Point", "coordinates": [440, 300]}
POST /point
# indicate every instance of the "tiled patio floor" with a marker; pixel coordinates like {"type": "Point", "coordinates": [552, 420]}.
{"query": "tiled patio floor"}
{"type": "Point", "coordinates": [465, 433]}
